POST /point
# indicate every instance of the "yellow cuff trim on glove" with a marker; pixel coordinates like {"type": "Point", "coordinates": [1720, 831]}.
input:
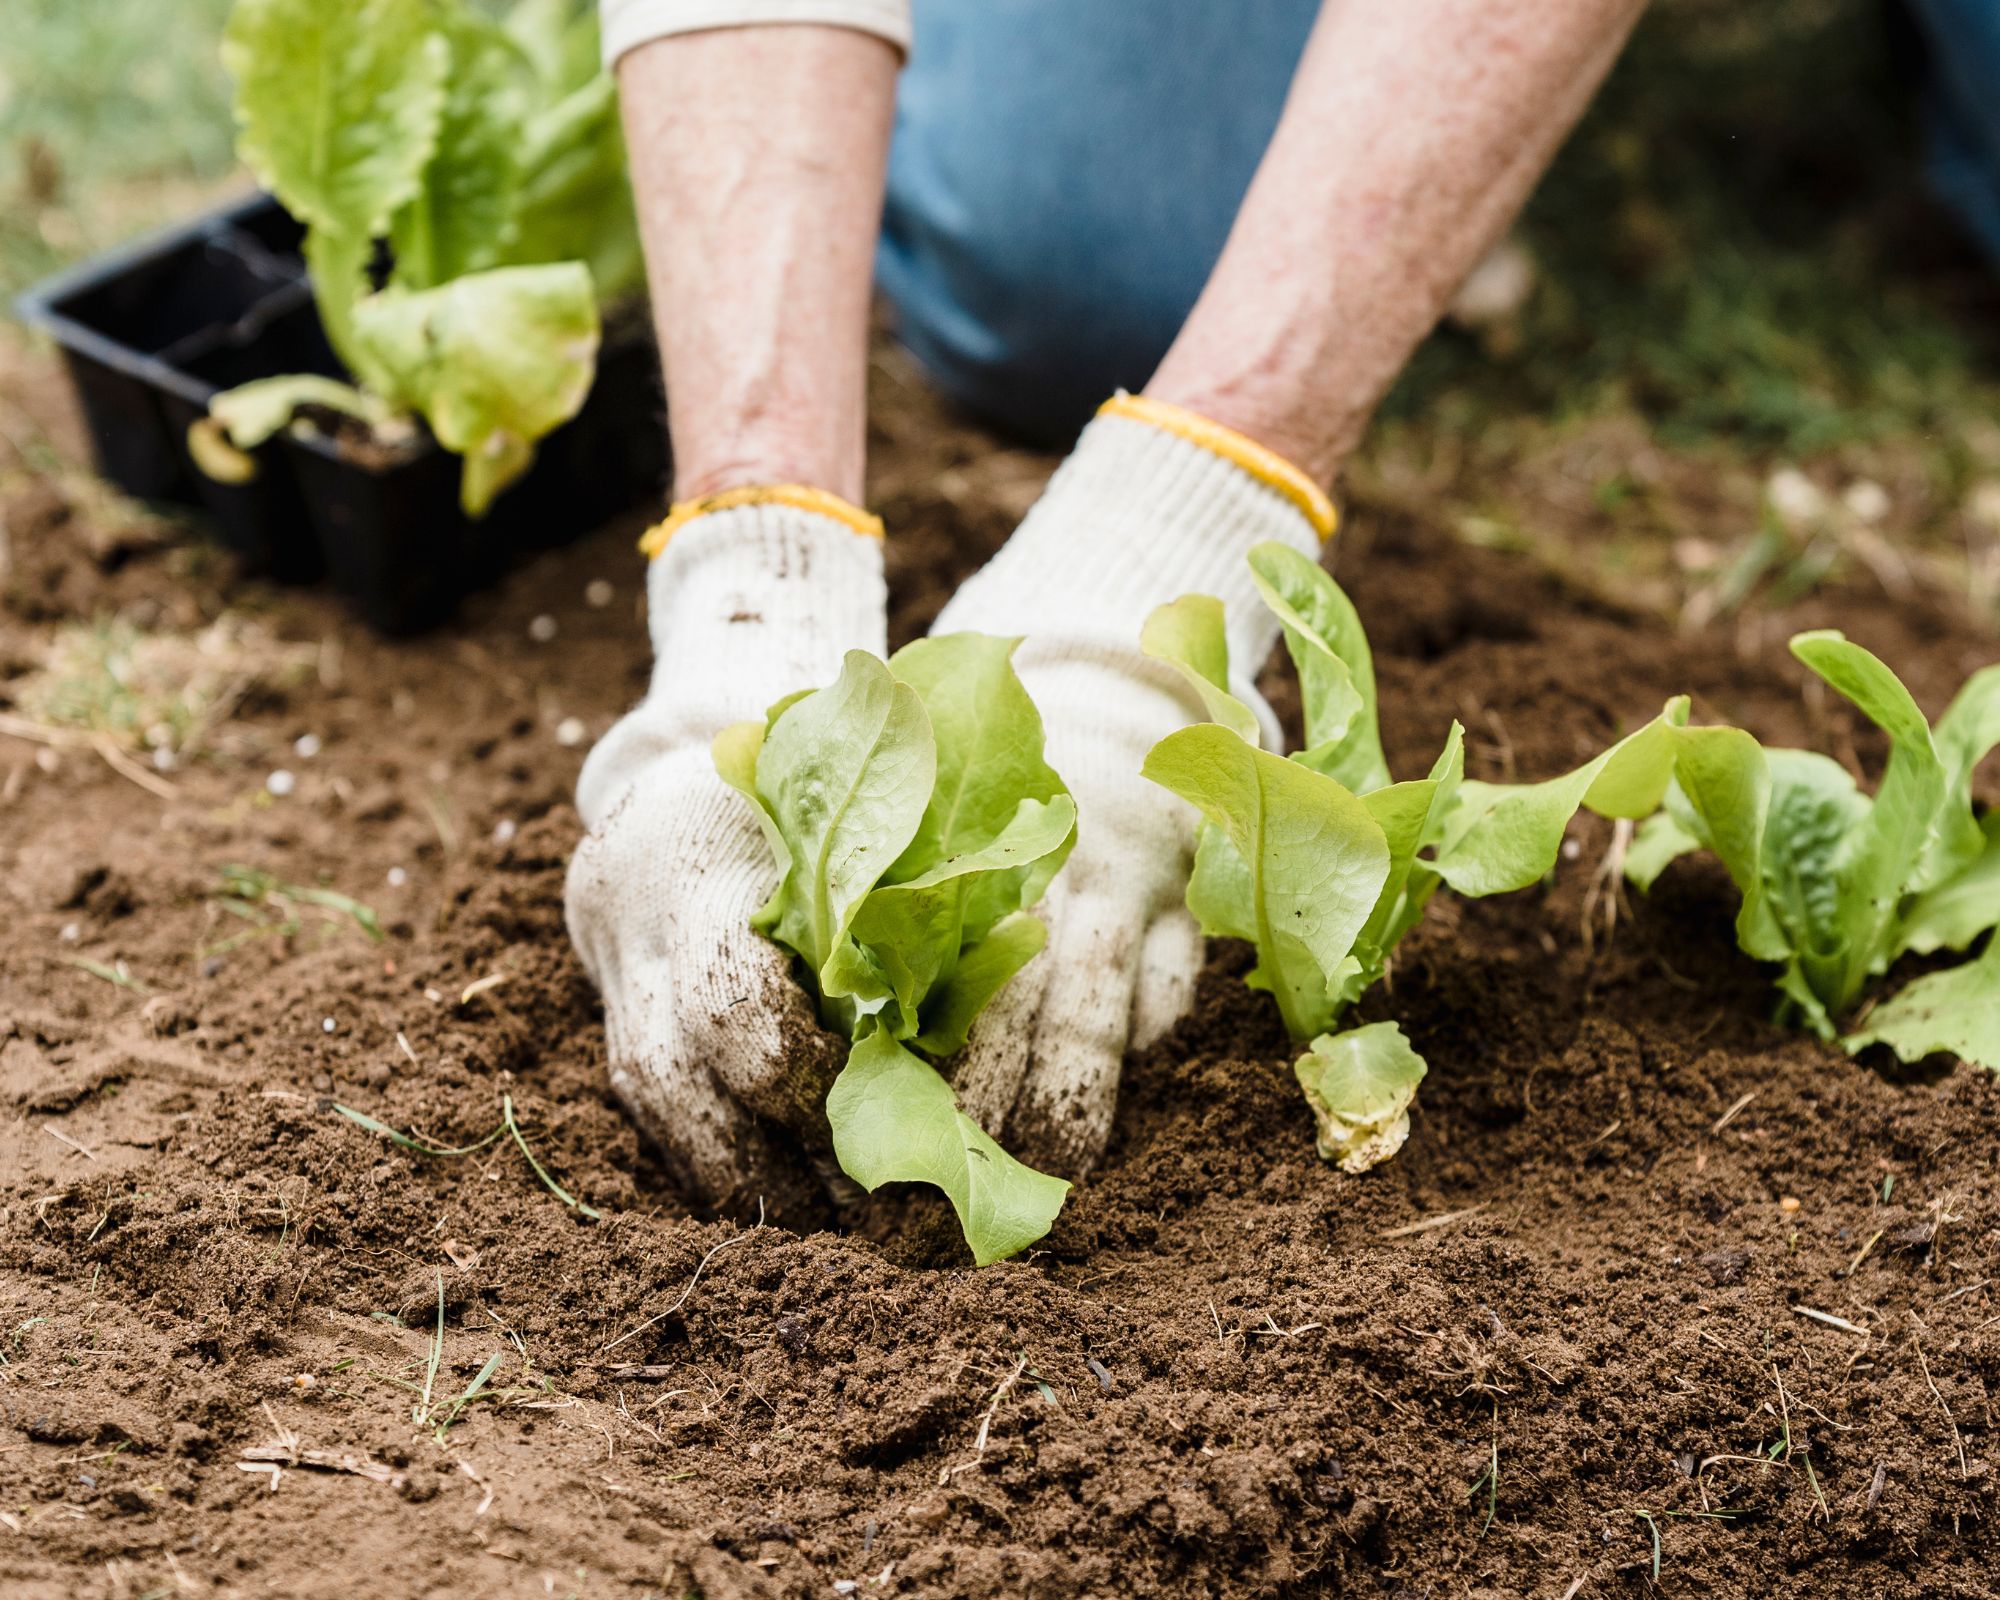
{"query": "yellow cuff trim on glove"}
{"type": "Point", "coordinates": [799, 496]}
{"type": "Point", "coordinates": [1265, 465]}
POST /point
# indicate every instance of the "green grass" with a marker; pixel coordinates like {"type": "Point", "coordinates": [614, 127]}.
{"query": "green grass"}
{"type": "Point", "coordinates": [1737, 246]}
{"type": "Point", "coordinates": [114, 116]}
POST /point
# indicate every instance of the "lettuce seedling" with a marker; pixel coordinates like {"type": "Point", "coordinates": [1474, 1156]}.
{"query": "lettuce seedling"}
{"type": "Point", "coordinates": [914, 822]}
{"type": "Point", "coordinates": [487, 156]}
{"type": "Point", "coordinates": [1323, 862]}
{"type": "Point", "coordinates": [1837, 886]}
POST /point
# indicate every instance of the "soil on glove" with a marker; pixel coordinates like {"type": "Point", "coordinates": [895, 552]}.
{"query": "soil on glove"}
{"type": "Point", "coordinates": [1656, 1298]}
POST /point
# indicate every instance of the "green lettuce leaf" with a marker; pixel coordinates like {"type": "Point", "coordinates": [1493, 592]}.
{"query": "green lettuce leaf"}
{"type": "Point", "coordinates": [1835, 884]}
{"type": "Point", "coordinates": [573, 201]}
{"type": "Point", "coordinates": [561, 38]}
{"type": "Point", "coordinates": [462, 214]}
{"type": "Point", "coordinates": [989, 760]}
{"type": "Point", "coordinates": [1888, 840]}
{"type": "Point", "coordinates": [338, 266]}
{"type": "Point", "coordinates": [1313, 861]}
{"type": "Point", "coordinates": [1659, 842]}
{"type": "Point", "coordinates": [845, 774]}
{"type": "Point", "coordinates": [982, 971]}
{"type": "Point", "coordinates": [1495, 838]}
{"type": "Point", "coordinates": [913, 931]}
{"type": "Point", "coordinates": [895, 1120]}
{"type": "Point", "coordinates": [493, 361]}
{"type": "Point", "coordinates": [1965, 735]}
{"type": "Point", "coordinates": [1954, 1012]}
{"type": "Point", "coordinates": [1960, 909]}
{"type": "Point", "coordinates": [1409, 815]}
{"type": "Point", "coordinates": [913, 819]}
{"type": "Point", "coordinates": [252, 412]}
{"type": "Point", "coordinates": [1324, 637]}
{"type": "Point", "coordinates": [337, 105]}
{"type": "Point", "coordinates": [1188, 635]}
{"type": "Point", "coordinates": [1360, 1084]}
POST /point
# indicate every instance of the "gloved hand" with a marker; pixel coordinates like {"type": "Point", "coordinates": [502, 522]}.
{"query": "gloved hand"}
{"type": "Point", "coordinates": [1153, 503]}
{"type": "Point", "coordinates": [752, 595]}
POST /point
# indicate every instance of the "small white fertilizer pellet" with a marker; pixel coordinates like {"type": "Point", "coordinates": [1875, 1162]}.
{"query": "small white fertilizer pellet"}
{"type": "Point", "coordinates": [570, 732]}
{"type": "Point", "coordinates": [1571, 849]}
{"type": "Point", "coordinates": [306, 746]}
{"type": "Point", "coordinates": [503, 831]}
{"type": "Point", "coordinates": [398, 877]}
{"type": "Point", "coordinates": [327, 1025]}
{"type": "Point", "coordinates": [542, 629]}
{"type": "Point", "coordinates": [598, 593]}
{"type": "Point", "coordinates": [281, 783]}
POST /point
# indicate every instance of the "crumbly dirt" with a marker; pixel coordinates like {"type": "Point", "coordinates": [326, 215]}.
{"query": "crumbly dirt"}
{"type": "Point", "coordinates": [1657, 1298]}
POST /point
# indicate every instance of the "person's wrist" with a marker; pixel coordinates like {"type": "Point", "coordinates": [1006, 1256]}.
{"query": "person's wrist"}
{"type": "Point", "coordinates": [712, 456]}
{"type": "Point", "coordinates": [718, 476]}
{"type": "Point", "coordinates": [1317, 453]}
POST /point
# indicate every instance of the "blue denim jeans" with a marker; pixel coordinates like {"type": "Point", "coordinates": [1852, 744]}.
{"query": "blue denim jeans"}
{"type": "Point", "coordinates": [1962, 113]}
{"type": "Point", "coordinates": [1063, 176]}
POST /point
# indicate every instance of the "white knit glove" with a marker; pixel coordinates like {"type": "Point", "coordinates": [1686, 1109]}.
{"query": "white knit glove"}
{"type": "Point", "coordinates": [1155, 502]}
{"type": "Point", "coordinates": [748, 603]}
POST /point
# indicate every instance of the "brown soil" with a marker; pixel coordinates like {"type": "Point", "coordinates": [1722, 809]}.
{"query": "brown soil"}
{"type": "Point", "coordinates": [1557, 1348]}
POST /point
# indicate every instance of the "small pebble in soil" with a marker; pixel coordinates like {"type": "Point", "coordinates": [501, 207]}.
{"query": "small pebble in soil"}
{"type": "Point", "coordinates": [281, 783]}
{"type": "Point", "coordinates": [542, 629]}
{"type": "Point", "coordinates": [599, 593]}
{"type": "Point", "coordinates": [322, 1084]}
{"type": "Point", "coordinates": [306, 746]}
{"type": "Point", "coordinates": [398, 877]}
{"type": "Point", "coordinates": [327, 1025]}
{"type": "Point", "coordinates": [1867, 500]}
{"type": "Point", "coordinates": [570, 732]}
{"type": "Point", "coordinates": [1789, 1203]}
{"type": "Point", "coordinates": [71, 932]}
{"type": "Point", "coordinates": [504, 831]}
{"type": "Point", "coordinates": [211, 967]}
{"type": "Point", "coordinates": [46, 760]}
{"type": "Point", "coordinates": [433, 996]}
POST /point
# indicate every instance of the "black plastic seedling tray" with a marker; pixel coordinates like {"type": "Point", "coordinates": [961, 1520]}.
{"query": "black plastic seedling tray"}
{"type": "Point", "coordinates": [151, 332]}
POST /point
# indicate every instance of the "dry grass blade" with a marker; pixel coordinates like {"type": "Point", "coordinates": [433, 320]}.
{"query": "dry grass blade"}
{"type": "Point", "coordinates": [986, 1423]}
{"type": "Point", "coordinates": [260, 1456]}
{"type": "Point", "coordinates": [479, 986]}
{"type": "Point", "coordinates": [1737, 1105]}
{"type": "Point", "coordinates": [1831, 1321]}
{"type": "Point", "coordinates": [1443, 1220]}
{"type": "Point", "coordinates": [1957, 1439]}
{"type": "Point", "coordinates": [699, 1267]}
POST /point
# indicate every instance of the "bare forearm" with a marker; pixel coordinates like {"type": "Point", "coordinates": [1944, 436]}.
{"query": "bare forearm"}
{"type": "Point", "coordinates": [757, 161]}
{"type": "Point", "coordinates": [1412, 135]}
